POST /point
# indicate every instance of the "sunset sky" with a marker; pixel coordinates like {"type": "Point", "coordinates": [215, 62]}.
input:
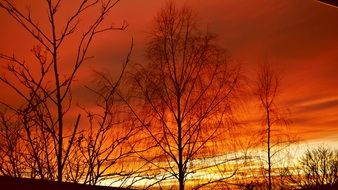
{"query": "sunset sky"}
{"type": "Point", "coordinates": [299, 37]}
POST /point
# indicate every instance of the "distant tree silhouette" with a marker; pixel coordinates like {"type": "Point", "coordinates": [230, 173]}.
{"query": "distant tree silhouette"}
{"type": "Point", "coordinates": [185, 93]}
{"type": "Point", "coordinates": [267, 90]}
{"type": "Point", "coordinates": [45, 95]}
{"type": "Point", "coordinates": [317, 169]}
{"type": "Point", "coordinates": [100, 152]}
{"type": "Point", "coordinates": [11, 149]}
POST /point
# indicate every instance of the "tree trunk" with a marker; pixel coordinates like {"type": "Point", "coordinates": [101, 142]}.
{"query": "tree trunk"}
{"type": "Point", "coordinates": [58, 101]}
{"type": "Point", "coordinates": [268, 144]}
{"type": "Point", "coordinates": [180, 148]}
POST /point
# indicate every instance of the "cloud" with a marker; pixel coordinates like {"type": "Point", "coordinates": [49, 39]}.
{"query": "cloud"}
{"type": "Point", "coordinates": [299, 36]}
{"type": "Point", "coordinates": [318, 104]}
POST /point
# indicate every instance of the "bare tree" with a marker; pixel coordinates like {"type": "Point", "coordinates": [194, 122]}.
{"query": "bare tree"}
{"type": "Point", "coordinates": [316, 169]}
{"type": "Point", "coordinates": [267, 90]}
{"type": "Point", "coordinates": [11, 157]}
{"type": "Point", "coordinates": [46, 95]}
{"type": "Point", "coordinates": [185, 95]}
{"type": "Point", "coordinates": [107, 143]}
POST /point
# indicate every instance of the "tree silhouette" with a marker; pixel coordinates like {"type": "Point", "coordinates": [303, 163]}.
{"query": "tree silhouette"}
{"type": "Point", "coordinates": [184, 92]}
{"type": "Point", "coordinates": [267, 90]}
{"type": "Point", "coordinates": [45, 96]}
{"type": "Point", "coordinates": [105, 146]}
{"type": "Point", "coordinates": [318, 169]}
{"type": "Point", "coordinates": [10, 147]}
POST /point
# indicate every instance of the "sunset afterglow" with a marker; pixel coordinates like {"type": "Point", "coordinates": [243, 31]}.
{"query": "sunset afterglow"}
{"type": "Point", "coordinates": [168, 94]}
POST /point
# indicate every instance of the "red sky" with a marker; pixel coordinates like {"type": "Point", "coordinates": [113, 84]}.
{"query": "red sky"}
{"type": "Point", "coordinates": [298, 37]}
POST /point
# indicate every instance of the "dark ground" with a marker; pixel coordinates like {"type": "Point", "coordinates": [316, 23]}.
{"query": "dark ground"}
{"type": "Point", "coordinates": [11, 183]}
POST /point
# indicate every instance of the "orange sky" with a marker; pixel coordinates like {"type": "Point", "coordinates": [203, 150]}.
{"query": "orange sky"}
{"type": "Point", "coordinates": [299, 37]}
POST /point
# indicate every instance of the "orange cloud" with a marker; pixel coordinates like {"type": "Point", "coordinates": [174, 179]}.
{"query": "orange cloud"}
{"type": "Point", "coordinates": [300, 37]}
